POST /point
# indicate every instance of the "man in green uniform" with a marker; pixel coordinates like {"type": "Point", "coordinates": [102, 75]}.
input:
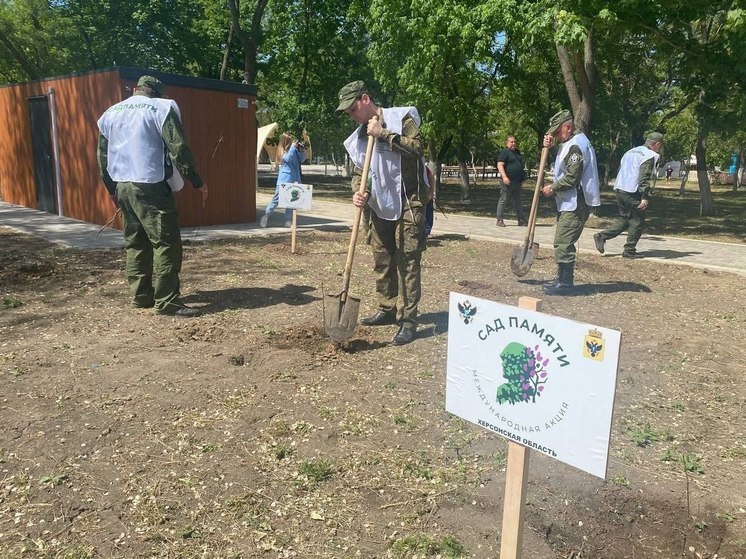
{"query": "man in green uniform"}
{"type": "Point", "coordinates": [575, 189]}
{"type": "Point", "coordinates": [398, 190]}
{"type": "Point", "coordinates": [633, 189]}
{"type": "Point", "coordinates": [140, 141]}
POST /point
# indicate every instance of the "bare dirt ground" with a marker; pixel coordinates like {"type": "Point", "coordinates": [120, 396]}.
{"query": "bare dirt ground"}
{"type": "Point", "coordinates": [245, 433]}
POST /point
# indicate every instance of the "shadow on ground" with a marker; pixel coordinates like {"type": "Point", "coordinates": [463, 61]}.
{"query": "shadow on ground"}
{"type": "Point", "coordinates": [250, 297]}
{"type": "Point", "coordinates": [584, 289]}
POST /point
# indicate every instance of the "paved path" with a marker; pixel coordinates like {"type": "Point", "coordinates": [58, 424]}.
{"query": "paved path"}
{"type": "Point", "coordinates": [728, 257]}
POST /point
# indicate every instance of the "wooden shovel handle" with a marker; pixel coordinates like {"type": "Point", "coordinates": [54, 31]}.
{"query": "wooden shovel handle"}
{"type": "Point", "coordinates": [535, 201]}
{"type": "Point", "coordinates": [356, 220]}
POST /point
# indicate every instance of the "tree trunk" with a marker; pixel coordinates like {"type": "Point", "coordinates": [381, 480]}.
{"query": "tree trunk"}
{"type": "Point", "coordinates": [226, 53]}
{"type": "Point", "coordinates": [739, 166]}
{"type": "Point", "coordinates": [707, 206]}
{"type": "Point", "coordinates": [434, 165]}
{"type": "Point", "coordinates": [464, 173]}
{"type": "Point", "coordinates": [463, 163]}
{"type": "Point", "coordinates": [250, 40]}
{"type": "Point", "coordinates": [579, 74]}
{"type": "Point", "coordinates": [613, 143]}
{"type": "Point", "coordinates": [685, 178]}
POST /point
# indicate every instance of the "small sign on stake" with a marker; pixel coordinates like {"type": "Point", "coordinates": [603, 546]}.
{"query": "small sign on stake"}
{"type": "Point", "coordinates": [295, 196]}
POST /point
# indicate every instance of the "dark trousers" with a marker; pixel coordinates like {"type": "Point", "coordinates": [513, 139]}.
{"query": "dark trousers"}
{"type": "Point", "coordinates": [631, 218]}
{"type": "Point", "coordinates": [153, 243]}
{"type": "Point", "coordinates": [397, 253]}
{"type": "Point", "coordinates": [512, 190]}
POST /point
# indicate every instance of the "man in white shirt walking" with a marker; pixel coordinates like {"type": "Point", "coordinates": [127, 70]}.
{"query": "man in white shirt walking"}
{"type": "Point", "coordinates": [633, 189]}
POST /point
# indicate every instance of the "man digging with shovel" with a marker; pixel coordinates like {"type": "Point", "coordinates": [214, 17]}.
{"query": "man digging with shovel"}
{"type": "Point", "coordinates": [575, 189]}
{"type": "Point", "coordinates": [397, 188]}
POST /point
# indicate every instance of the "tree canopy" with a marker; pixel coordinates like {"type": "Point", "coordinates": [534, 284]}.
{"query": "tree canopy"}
{"type": "Point", "coordinates": [476, 69]}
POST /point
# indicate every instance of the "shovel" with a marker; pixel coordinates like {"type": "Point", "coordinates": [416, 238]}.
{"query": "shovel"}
{"type": "Point", "coordinates": [523, 256]}
{"type": "Point", "coordinates": [341, 309]}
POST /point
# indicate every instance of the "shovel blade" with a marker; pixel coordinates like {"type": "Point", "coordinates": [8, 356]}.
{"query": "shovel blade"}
{"type": "Point", "coordinates": [340, 315]}
{"type": "Point", "coordinates": [522, 259]}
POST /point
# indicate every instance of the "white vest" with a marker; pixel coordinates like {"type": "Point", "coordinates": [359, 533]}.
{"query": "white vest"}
{"type": "Point", "coordinates": [629, 169]}
{"type": "Point", "coordinates": [133, 128]}
{"type": "Point", "coordinates": [567, 200]}
{"type": "Point", "coordinates": [385, 168]}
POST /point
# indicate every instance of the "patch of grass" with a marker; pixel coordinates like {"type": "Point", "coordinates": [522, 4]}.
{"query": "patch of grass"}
{"type": "Point", "coordinates": [726, 516]}
{"type": "Point", "coordinates": [248, 509]}
{"type": "Point", "coordinates": [390, 385]}
{"type": "Point", "coordinates": [669, 455]}
{"type": "Point", "coordinates": [316, 471]}
{"type": "Point", "coordinates": [422, 545]}
{"type": "Point", "coordinates": [208, 448]}
{"type": "Point", "coordinates": [41, 549]}
{"type": "Point", "coordinates": [620, 480]}
{"type": "Point", "coordinates": [419, 470]}
{"type": "Point", "coordinates": [282, 451]}
{"type": "Point", "coordinates": [423, 375]}
{"type": "Point", "coordinates": [236, 402]}
{"type": "Point", "coordinates": [736, 452]}
{"type": "Point", "coordinates": [691, 463]}
{"type": "Point", "coordinates": [643, 435]}
{"type": "Point", "coordinates": [280, 429]}
{"type": "Point", "coordinates": [326, 412]}
{"type": "Point", "coordinates": [400, 419]}
{"type": "Point", "coordinates": [54, 479]}
{"type": "Point", "coordinates": [500, 458]}
{"type": "Point", "coordinates": [678, 406]}
{"type": "Point", "coordinates": [11, 303]}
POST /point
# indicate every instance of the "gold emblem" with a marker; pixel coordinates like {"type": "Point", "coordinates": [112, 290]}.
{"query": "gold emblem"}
{"type": "Point", "coordinates": [593, 348]}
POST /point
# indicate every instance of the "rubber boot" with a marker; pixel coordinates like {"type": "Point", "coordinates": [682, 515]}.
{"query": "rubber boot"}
{"type": "Point", "coordinates": [564, 283]}
{"type": "Point", "coordinates": [555, 280]}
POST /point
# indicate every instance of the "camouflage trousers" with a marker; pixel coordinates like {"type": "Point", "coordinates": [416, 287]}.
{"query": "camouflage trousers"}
{"type": "Point", "coordinates": [630, 217]}
{"type": "Point", "coordinates": [153, 243]}
{"type": "Point", "coordinates": [397, 253]}
{"type": "Point", "coordinates": [569, 227]}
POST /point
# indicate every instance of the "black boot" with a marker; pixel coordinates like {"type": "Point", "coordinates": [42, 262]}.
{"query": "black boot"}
{"type": "Point", "coordinates": [564, 282]}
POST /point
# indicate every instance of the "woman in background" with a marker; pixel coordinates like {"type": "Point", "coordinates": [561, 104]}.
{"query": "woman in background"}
{"type": "Point", "coordinates": [289, 157]}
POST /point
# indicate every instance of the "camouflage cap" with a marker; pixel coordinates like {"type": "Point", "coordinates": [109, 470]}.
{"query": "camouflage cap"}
{"type": "Point", "coordinates": [349, 94]}
{"type": "Point", "coordinates": [557, 120]}
{"type": "Point", "coordinates": [654, 137]}
{"type": "Point", "coordinates": [154, 84]}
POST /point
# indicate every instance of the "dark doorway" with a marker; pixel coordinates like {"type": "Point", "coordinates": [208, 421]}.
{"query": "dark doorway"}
{"type": "Point", "coordinates": [41, 144]}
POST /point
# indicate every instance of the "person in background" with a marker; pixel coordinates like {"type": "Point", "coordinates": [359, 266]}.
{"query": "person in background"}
{"type": "Point", "coordinates": [575, 189]}
{"type": "Point", "coordinates": [633, 189]}
{"type": "Point", "coordinates": [397, 195]}
{"type": "Point", "coordinates": [510, 166]}
{"type": "Point", "coordinates": [669, 172]}
{"type": "Point", "coordinates": [140, 141]}
{"type": "Point", "coordinates": [289, 157]}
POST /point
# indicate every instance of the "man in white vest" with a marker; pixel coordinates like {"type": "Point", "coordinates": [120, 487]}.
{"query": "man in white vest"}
{"type": "Point", "coordinates": [575, 189]}
{"type": "Point", "coordinates": [633, 189]}
{"type": "Point", "coordinates": [142, 155]}
{"type": "Point", "coordinates": [396, 195]}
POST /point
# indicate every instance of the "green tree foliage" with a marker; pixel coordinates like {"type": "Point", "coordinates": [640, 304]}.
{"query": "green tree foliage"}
{"type": "Point", "coordinates": [311, 49]}
{"type": "Point", "coordinates": [441, 57]}
{"type": "Point", "coordinates": [36, 40]}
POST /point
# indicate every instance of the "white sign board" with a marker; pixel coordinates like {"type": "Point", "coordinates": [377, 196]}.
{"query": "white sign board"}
{"type": "Point", "coordinates": [541, 381]}
{"type": "Point", "coordinates": [296, 196]}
